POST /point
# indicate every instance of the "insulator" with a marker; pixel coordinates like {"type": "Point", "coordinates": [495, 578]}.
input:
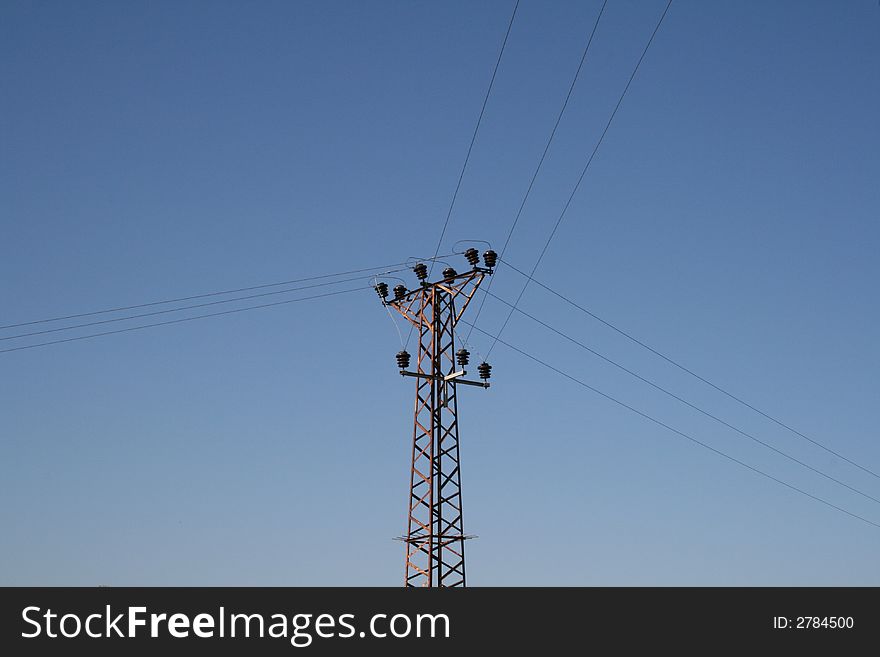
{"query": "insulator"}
{"type": "Point", "coordinates": [462, 356]}
{"type": "Point", "coordinates": [473, 257]}
{"type": "Point", "coordinates": [382, 290]}
{"type": "Point", "coordinates": [449, 272]}
{"type": "Point", "coordinates": [484, 370]}
{"type": "Point", "coordinates": [402, 359]}
{"type": "Point", "coordinates": [421, 271]}
{"type": "Point", "coordinates": [399, 292]}
{"type": "Point", "coordinates": [490, 258]}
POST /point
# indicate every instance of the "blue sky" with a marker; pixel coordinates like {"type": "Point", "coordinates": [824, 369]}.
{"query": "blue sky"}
{"type": "Point", "coordinates": [156, 150]}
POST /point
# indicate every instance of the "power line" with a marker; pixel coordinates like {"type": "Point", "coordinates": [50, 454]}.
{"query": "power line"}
{"type": "Point", "coordinates": [522, 205]}
{"type": "Point", "coordinates": [474, 136]}
{"type": "Point", "coordinates": [190, 307]}
{"type": "Point", "coordinates": [689, 371]}
{"type": "Point", "coordinates": [467, 156]}
{"type": "Point", "coordinates": [185, 319]}
{"type": "Point", "coordinates": [214, 294]}
{"type": "Point", "coordinates": [585, 169]}
{"type": "Point", "coordinates": [678, 432]}
{"type": "Point", "coordinates": [686, 402]}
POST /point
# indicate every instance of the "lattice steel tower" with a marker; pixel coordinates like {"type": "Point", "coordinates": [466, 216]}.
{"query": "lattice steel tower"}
{"type": "Point", "coordinates": [435, 531]}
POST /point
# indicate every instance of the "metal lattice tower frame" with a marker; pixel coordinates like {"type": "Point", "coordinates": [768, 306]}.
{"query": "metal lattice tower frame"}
{"type": "Point", "coordinates": [435, 529]}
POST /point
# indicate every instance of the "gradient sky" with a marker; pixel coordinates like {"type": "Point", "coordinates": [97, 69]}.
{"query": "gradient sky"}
{"type": "Point", "coordinates": [730, 219]}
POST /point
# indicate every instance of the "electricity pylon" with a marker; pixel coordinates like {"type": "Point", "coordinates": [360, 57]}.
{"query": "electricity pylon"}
{"type": "Point", "coordinates": [435, 530]}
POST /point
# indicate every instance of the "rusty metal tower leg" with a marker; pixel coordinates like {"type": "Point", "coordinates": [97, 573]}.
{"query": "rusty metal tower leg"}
{"type": "Point", "coordinates": [420, 536]}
